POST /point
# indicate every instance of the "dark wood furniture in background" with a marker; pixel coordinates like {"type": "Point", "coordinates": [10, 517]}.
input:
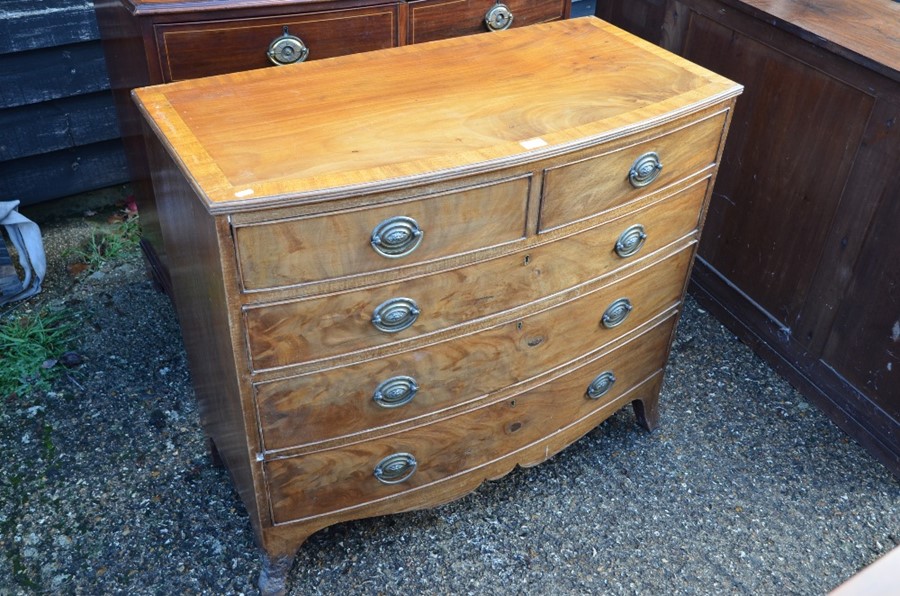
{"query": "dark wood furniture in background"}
{"type": "Point", "coordinates": [801, 255]}
{"type": "Point", "coordinates": [147, 42]}
{"type": "Point", "coordinates": [465, 269]}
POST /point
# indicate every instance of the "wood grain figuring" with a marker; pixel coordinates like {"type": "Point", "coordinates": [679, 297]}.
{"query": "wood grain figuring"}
{"type": "Point", "coordinates": [465, 113]}
{"type": "Point", "coordinates": [593, 185]}
{"type": "Point", "coordinates": [192, 50]}
{"type": "Point", "coordinates": [430, 20]}
{"type": "Point", "coordinates": [342, 478]}
{"type": "Point", "coordinates": [333, 245]}
{"type": "Point", "coordinates": [297, 332]}
{"type": "Point", "coordinates": [339, 401]}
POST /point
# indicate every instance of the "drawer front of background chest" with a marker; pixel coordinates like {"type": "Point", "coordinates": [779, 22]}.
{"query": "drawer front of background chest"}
{"type": "Point", "coordinates": [345, 477]}
{"type": "Point", "coordinates": [199, 49]}
{"type": "Point", "coordinates": [439, 19]}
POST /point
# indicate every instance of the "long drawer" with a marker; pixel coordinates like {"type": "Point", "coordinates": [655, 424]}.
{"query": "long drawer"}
{"type": "Point", "coordinates": [596, 183]}
{"type": "Point", "coordinates": [204, 48]}
{"type": "Point", "coordinates": [397, 388]}
{"type": "Point", "coordinates": [304, 330]}
{"type": "Point", "coordinates": [336, 479]}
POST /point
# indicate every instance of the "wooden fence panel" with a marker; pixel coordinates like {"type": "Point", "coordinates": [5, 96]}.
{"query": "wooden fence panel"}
{"type": "Point", "coordinates": [58, 130]}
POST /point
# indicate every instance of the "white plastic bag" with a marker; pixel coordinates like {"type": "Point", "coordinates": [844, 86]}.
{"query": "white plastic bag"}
{"type": "Point", "coordinates": [26, 238]}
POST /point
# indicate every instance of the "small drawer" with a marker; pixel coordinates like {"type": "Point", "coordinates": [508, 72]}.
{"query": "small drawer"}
{"type": "Point", "coordinates": [299, 331]}
{"type": "Point", "coordinates": [594, 184]}
{"type": "Point", "coordinates": [199, 49]}
{"type": "Point", "coordinates": [333, 245]}
{"type": "Point", "coordinates": [439, 19]}
{"type": "Point", "coordinates": [385, 391]}
{"type": "Point", "coordinates": [348, 477]}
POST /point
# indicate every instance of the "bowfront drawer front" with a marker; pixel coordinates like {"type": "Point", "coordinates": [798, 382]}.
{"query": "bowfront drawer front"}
{"type": "Point", "coordinates": [439, 19]}
{"type": "Point", "coordinates": [594, 184]}
{"type": "Point", "coordinates": [333, 245]}
{"type": "Point", "coordinates": [299, 331]}
{"type": "Point", "coordinates": [397, 388]}
{"type": "Point", "coordinates": [199, 49]}
{"type": "Point", "coordinates": [346, 477]}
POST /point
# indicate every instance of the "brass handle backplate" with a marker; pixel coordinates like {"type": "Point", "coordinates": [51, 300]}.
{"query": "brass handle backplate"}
{"type": "Point", "coordinates": [287, 49]}
{"type": "Point", "coordinates": [395, 468]}
{"type": "Point", "coordinates": [395, 392]}
{"type": "Point", "coordinates": [616, 313]}
{"type": "Point", "coordinates": [498, 18]}
{"type": "Point", "coordinates": [395, 314]}
{"type": "Point", "coordinates": [630, 241]}
{"type": "Point", "coordinates": [644, 170]}
{"type": "Point", "coordinates": [601, 385]}
{"type": "Point", "coordinates": [396, 237]}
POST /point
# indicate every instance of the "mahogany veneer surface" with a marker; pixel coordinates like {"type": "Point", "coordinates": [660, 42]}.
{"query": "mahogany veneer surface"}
{"type": "Point", "coordinates": [535, 309]}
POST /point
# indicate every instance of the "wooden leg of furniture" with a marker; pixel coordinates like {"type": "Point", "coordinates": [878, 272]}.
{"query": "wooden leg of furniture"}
{"type": "Point", "coordinates": [646, 408]}
{"type": "Point", "coordinates": [214, 458]}
{"type": "Point", "coordinates": [274, 572]}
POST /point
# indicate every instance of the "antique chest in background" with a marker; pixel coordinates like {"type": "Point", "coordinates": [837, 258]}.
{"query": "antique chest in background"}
{"type": "Point", "coordinates": [401, 273]}
{"type": "Point", "coordinates": [147, 42]}
{"type": "Point", "coordinates": [800, 258]}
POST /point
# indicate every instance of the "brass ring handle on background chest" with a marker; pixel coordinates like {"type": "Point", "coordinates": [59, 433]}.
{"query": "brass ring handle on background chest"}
{"type": "Point", "coordinates": [617, 312]}
{"type": "Point", "coordinates": [498, 17]}
{"type": "Point", "coordinates": [644, 170]}
{"type": "Point", "coordinates": [601, 385]}
{"type": "Point", "coordinates": [396, 468]}
{"type": "Point", "coordinates": [287, 49]}
{"type": "Point", "coordinates": [397, 237]}
{"type": "Point", "coordinates": [630, 241]}
{"type": "Point", "coordinates": [395, 392]}
{"type": "Point", "coordinates": [395, 314]}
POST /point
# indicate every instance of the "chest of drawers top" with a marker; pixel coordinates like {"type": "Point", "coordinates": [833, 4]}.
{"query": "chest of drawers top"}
{"type": "Point", "coordinates": [381, 120]}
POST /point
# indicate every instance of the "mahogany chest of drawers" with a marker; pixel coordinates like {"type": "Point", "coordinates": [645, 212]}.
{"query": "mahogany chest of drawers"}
{"type": "Point", "coordinates": [401, 273]}
{"type": "Point", "coordinates": [147, 42]}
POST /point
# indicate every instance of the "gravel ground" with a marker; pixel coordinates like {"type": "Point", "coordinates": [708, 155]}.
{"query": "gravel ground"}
{"type": "Point", "coordinates": [745, 488]}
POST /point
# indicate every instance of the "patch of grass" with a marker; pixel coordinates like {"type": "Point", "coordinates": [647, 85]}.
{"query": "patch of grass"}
{"type": "Point", "coordinates": [29, 344]}
{"type": "Point", "coordinates": [110, 243]}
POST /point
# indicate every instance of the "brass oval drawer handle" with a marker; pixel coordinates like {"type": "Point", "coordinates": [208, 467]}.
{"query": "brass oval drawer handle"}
{"type": "Point", "coordinates": [395, 314]}
{"type": "Point", "coordinates": [287, 49]}
{"type": "Point", "coordinates": [601, 385]}
{"type": "Point", "coordinates": [644, 170]}
{"type": "Point", "coordinates": [498, 17]}
{"type": "Point", "coordinates": [395, 468]}
{"type": "Point", "coordinates": [395, 392]}
{"type": "Point", "coordinates": [616, 313]}
{"type": "Point", "coordinates": [630, 241]}
{"type": "Point", "coordinates": [396, 237]}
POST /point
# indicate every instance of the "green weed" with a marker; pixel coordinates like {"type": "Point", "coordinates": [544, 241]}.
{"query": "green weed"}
{"type": "Point", "coordinates": [29, 344]}
{"type": "Point", "coordinates": [110, 243]}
